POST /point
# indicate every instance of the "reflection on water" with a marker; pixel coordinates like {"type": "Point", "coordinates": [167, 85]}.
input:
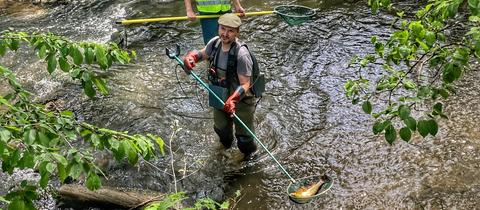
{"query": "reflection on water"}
{"type": "Point", "coordinates": [304, 119]}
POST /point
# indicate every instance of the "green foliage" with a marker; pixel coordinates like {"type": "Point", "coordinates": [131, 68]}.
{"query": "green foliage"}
{"type": "Point", "coordinates": [420, 67]}
{"type": "Point", "coordinates": [32, 136]}
{"type": "Point", "coordinates": [71, 57]}
{"type": "Point", "coordinates": [167, 203]}
{"type": "Point", "coordinates": [174, 199]}
{"type": "Point", "coordinates": [22, 199]}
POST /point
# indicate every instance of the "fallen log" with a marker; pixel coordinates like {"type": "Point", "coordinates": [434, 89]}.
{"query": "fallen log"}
{"type": "Point", "coordinates": [78, 195]}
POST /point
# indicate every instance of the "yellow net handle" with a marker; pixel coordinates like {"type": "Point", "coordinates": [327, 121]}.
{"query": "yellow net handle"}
{"type": "Point", "coordinates": [163, 19]}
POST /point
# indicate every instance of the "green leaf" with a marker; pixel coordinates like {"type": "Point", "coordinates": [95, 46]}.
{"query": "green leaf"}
{"type": "Point", "coordinates": [114, 144]}
{"type": "Point", "coordinates": [438, 107]}
{"type": "Point", "coordinates": [474, 6]}
{"type": "Point", "coordinates": [411, 123]}
{"type": "Point", "coordinates": [43, 138]}
{"type": "Point", "coordinates": [88, 89]}
{"type": "Point", "coordinates": [14, 44]}
{"type": "Point", "coordinates": [423, 128]}
{"type": "Point", "coordinates": [2, 199]}
{"type": "Point", "coordinates": [100, 56]}
{"type": "Point", "coordinates": [451, 73]}
{"type": "Point", "coordinates": [417, 28]}
{"type": "Point", "coordinates": [5, 135]}
{"type": "Point", "coordinates": [474, 18]}
{"type": "Point", "coordinates": [423, 92]}
{"type": "Point", "coordinates": [159, 142]}
{"type": "Point", "coordinates": [60, 159]}
{"type": "Point", "coordinates": [404, 51]}
{"type": "Point", "coordinates": [430, 38]}
{"type": "Point", "coordinates": [51, 168]}
{"type": "Point", "coordinates": [224, 205]}
{"type": "Point", "coordinates": [404, 111]}
{"type": "Point", "coordinates": [390, 134]}
{"type": "Point", "coordinates": [62, 172]}
{"type": "Point", "coordinates": [120, 152]}
{"type": "Point", "coordinates": [93, 181]}
{"type": "Point", "coordinates": [405, 134]}
{"type": "Point", "coordinates": [29, 136]}
{"type": "Point", "coordinates": [2, 147]}
{"type": "Point", "coordinates": [422, 44]}
{"type": "Point", "coordinates": [17, 204]}
{"type": "Point", "coordinates": [52, 63]}
{"type": "Point", "coordinates": [76, 55]}
{"type": "Point", "coordinates": [44, 178]}
{"type": "Point", "coordinates": [367, 107]}
{"type": "Point", "coordinates": [76, 170]}
{"type": "Point", "coordinates": [64, 65]}
{"type": "Point", "coordinates": [3, 47]}
{"type": "Point", "coordinates": [132, 156]}
{"type": "Point", "coordinates": [444, 93]}
{"type": "Point", "coordinates": [378, 127]}
{"type": "Point", "coordinates": [409, 85]}
{"type": "Point", "coordinates": [66, 113]}
{"type": "Point", "coordinates": [95, 140]}
{"type": "Point", "coordinates": [42, 52]}
{"type": "Point", "coordinates": [64, 50]}
{"type": "Point", "coordinates": [102, 87]}
{"type": "Point", "coordinates": [76, 73]}
{"type": "Point", "coordinates": [27, 160]}
{"type": "Point", "coordinates": [432, 127]}
{"type": "Point", "coordinates": [89, 55]}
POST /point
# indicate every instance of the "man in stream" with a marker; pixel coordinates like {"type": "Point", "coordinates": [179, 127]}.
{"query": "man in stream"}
{"type": "Point", "coordinates": [211, 7]}
{"type": "Point", "coordinates": [230, 72]}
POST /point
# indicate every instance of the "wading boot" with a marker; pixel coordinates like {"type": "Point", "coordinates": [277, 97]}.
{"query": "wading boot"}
{"type": "Point", "coordinates": [247, 146]}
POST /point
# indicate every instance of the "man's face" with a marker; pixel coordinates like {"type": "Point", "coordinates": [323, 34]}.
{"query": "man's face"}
{"type": "Point", "coordinates": [227, 34]}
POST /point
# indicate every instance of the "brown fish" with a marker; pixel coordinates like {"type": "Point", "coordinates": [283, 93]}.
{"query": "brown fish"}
{"type": "Point", "coordinates": [306, 192]}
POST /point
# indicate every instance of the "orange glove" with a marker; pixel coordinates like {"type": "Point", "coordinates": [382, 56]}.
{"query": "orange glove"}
{"type": "Point", "coordinates": [190, 59]}
{"type": "Point", "coordinates": [231, 102]}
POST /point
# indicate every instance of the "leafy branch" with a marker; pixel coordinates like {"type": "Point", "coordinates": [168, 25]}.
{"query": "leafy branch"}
{"type": "Point", "coordinates": [53, 142]}
{"type": "Point", "coordinates": [420, 67]}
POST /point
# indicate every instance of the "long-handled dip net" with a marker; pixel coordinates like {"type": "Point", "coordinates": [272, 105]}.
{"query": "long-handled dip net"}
{"type": "Point", "coordinates": [294, 14]}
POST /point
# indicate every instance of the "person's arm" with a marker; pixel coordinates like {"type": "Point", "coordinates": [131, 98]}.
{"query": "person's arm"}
{"type": "Point", "coordinates": [244, 86]}
{"type": "Point", "coordinates": [189, 8]}
{"type": "Point", "coordinates": [244, 81]}
{"type": "Point", "coordinates": [238, 7]}
{"type": "Point", "coordinates": [231, 102]}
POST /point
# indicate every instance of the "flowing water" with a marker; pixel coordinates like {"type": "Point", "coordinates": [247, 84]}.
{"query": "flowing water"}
{"type": "Point", "coordinates": [304, 119]}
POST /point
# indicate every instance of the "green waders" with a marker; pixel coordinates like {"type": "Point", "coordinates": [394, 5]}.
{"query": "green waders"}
{"type": "Point", "coordinates": [223, 126]}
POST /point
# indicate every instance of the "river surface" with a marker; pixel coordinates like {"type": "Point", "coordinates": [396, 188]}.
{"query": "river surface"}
{"type": "Point", "coordinates": [304, 118]}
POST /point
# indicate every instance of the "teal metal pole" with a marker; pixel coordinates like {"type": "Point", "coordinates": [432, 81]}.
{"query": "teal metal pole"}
{"type": "Point", "coordinates": [238, 119]}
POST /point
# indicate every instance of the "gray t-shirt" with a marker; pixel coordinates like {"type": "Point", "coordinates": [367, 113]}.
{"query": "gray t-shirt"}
{"type": "Point", "coordinates": [244, 61]}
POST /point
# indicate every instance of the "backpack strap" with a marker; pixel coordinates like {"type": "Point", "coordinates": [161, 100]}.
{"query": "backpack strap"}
{"type": "Point", "coordinates": [232, 64]}
{"type": "Point", "coordinates": [215, 49]}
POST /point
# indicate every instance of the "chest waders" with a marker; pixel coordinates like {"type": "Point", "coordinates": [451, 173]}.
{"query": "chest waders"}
{"type": "Point", "coordinates": [224, 85]}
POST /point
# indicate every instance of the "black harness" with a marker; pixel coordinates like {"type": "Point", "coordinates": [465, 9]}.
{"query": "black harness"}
{"type": "Point", "coordinates": [231, 71]}
{"type": "Point", "coordinates": [257, 81]}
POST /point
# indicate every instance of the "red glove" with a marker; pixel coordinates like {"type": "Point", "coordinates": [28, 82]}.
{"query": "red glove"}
{"type": "Point", "coordinates": [190, 59]}
{"type": "Point", "coordinates": [229, 106]}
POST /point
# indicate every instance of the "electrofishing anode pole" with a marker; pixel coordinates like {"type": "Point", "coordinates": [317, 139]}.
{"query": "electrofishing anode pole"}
{"type": "Point", "coordinates": [175, 56]}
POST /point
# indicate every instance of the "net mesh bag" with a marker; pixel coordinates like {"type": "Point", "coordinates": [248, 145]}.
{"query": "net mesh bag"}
{"type": "Point", "coordinates": [294, 14]}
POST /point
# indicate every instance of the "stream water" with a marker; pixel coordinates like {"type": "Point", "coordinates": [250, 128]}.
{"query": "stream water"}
{"type": "Point", "coordinates": [304, 119]}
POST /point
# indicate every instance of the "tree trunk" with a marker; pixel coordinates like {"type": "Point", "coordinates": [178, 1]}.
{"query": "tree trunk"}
{"type": "Point", "coordinates": [75, 195]}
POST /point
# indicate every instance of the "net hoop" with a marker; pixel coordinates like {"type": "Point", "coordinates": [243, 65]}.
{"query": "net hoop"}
{"type": "Point", "coordinates": [295, 14]}
{"type": "Point", "coordinates": [292, 187]}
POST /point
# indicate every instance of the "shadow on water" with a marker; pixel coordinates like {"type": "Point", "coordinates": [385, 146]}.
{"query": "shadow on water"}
{"type": "Point", "coordinates": [304, 119]}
